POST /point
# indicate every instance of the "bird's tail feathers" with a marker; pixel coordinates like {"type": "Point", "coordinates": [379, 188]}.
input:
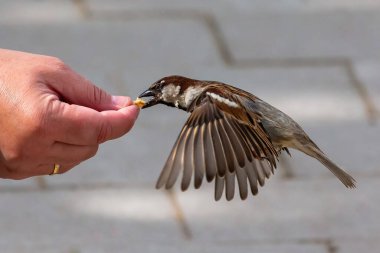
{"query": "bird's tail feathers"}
{"type": "Point", "coordinates": [313, 151]}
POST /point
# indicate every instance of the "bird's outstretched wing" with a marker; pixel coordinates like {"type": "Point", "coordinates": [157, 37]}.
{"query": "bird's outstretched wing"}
{"type": "Point", "coordinates": [217, 142]}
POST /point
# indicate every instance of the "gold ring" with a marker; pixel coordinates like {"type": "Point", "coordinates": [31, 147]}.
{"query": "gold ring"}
{"type": "Point", "coordinates": [56, 169]}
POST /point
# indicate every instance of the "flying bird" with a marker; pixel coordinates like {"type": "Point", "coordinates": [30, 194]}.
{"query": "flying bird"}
{"type": "Point", "coordinates": [230, 133]}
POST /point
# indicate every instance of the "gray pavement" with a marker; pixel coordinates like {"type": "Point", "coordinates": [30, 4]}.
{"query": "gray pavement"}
{"type": "Point", "coordinates": [318, 61]}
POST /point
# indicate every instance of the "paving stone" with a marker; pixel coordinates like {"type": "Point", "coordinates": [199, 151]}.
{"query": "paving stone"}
{"type": "Point", "coordinates": [116, 44]}
{"type": "Point", "coordinates": [264, 248]}
{"type": "Point", "coordinates": [97, 7]}
{"type": "Point", "coordinates": [289, 29]}
{"type": "Point", "coordinates": [194, 246]}
{"type": "Point", "coordinates": [27, 184]}
{"type": "Point", "coordinates": [360, 245]}
{"type": "Point", "coordinates": [27, 12]}
{"type": "Point", "coordinates": [282, 35]}
{"type": "Point", "coordinates": [87, 221]}
{"type": "Point", "coordinates": [244, 6]}
{"type": "Point", "coordinates": [369, 75]}
{"type": "Point", "coordinates": [117, 220]}
{"type": "Point", "coordinates": [183, 246]}
{"type": "Point", "coordinates": [286, 210]}
{"type": "Point", "coordinates": [299, 6]}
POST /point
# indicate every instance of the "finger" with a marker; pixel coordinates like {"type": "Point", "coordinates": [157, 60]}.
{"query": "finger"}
{"type": "Point", "coordinates": [68, 153]}
{"type": "Point", "coordinates": [117, 123]}
{"type": "Point", "coordinates": [77, 90]}
{"type": "Point", "coordinates": [80, 125]}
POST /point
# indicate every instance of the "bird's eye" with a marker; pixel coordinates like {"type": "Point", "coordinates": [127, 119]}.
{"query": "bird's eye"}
{"type": "Point", "coordinates": [158, 86]}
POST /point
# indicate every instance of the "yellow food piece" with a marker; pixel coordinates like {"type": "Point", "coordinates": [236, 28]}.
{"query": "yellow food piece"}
{"type": "Point", "coordinates": [139, 102]}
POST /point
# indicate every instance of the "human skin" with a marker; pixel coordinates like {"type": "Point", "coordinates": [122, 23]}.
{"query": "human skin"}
{"type": "Point", "coordinates": [50, 115]}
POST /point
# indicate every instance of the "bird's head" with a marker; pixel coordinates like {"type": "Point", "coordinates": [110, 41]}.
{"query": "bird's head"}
{"type": "Point", "coordinates": [175, 91]}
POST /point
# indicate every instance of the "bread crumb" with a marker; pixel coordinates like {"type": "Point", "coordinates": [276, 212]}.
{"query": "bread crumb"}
{"type": "Point", "coordinates": [139, 102]}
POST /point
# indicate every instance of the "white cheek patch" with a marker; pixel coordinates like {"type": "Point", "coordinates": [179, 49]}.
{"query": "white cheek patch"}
{"type": "Point", "coordinates": [222, 99]}
{"type": "Point", "coordinates": [170, 92]}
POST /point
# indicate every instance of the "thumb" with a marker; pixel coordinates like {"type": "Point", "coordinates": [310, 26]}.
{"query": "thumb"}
{"type": "Point", "coordinates": [75, 89]}
{"type": "Point", "coordinates": [79, 125]}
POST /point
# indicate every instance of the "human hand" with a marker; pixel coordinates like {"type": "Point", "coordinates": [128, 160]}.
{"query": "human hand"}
{"type": "Point", "coordinates": [51, 115]}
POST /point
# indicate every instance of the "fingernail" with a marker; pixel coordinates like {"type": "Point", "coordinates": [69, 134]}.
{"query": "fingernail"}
{"type": "Point", "coordinates": [121, 101]}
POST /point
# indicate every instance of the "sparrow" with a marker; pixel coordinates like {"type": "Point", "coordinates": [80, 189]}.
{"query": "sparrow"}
{"type": "Point", "coordinates": [230, 133]}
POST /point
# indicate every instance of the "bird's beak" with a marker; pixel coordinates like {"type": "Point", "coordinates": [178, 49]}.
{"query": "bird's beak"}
{"type": "Point", "coordinates": [153, 101]}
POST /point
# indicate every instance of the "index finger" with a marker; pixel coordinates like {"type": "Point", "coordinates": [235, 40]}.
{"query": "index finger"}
{"type": "Point", "coordinates": [79, 125]}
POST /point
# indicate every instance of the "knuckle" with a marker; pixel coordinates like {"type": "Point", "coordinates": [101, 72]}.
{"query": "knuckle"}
{"type": "Point", "coordinates": [12, 157]}
{"type": "Point", "coordinates": [25, 149]}
{"type": "Point", "coordinates": [56, 63]}
{"type": "Point", "coordinates": [52, 60]}
{"type": "Point", "coordinates": [46, 65]}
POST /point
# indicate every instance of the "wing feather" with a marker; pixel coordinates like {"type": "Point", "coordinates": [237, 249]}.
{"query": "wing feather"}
{"type": "Point", "coordinates": [199, 155]}
{"type": "Point", "coordinates": [220, 155]}
{"type": "Point", "coordinates": [252, 177]}
{"type": "Point", "coordinates": [219, 187]}
{"type": "Point", "coordinates": [242, 139]}
{"type": "Point", "coordinates": [260, 172]}
{"type": "Point", "coordinates": [229, 149]}
{"type": "Point", "coordinates": [178, 159]}
{"type": "Point", "coordinates": [188, 159]}
{"type": "Point", "coordinates": [236, 143]}
{"type": "Point", "coordinates": [169, 162]}
{"type": "Point", "coordinates": [242, 181]}
{"type": "Point", "coordinates": [211, 165]}
{"type": "Point", "coordinates": [230, 185]}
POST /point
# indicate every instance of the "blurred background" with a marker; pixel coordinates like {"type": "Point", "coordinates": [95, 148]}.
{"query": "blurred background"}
{"type": "Point", "coordinates": [318, 61]}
